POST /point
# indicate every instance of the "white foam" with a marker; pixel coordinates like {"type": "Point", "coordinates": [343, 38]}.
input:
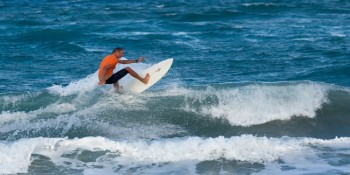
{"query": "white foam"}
{"type": "Point", "coordinates": [15, 157]}
{"type": "Point", "coordinates": [12, 100]}
{"type": "Point", "coordinates": [301, 153]}
{"type": "Point", "coordinates": [306, 39]}
{"type": "Point", "coordinates": [7, 116]}
{"type": "Point", "coordinates": [257, 104]}
{"type": "Point", "coordinates": [180, 33]}
{"type": "Point", "coordinates": [84, 85]}
{"type": "Point", "coordinates": [160, 6]}
{"type": "Point", "coordinates": [171, 14]}
{"type": "Point", "coordinates": [61, 122]}
{"type": "Point", "coordinates": [338, 34]}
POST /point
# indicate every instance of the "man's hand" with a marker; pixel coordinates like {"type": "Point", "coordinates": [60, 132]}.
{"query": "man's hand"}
{"type": "Point", "coordinates": [140, 59]}
{"type": "Point", "coordinates": [100, 83]}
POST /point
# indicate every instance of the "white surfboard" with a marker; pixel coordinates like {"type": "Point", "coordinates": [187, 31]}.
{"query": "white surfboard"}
{"type": "Point", "coordinates": [156, 72]}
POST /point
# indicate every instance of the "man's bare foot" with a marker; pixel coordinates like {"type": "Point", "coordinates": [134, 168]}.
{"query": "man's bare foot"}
{"type": "Point", "coordinates": [120, 90]}
{"type": "Point", "coordinates": [146, 79]}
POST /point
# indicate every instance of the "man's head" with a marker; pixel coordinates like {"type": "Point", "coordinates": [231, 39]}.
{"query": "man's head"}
{"type": "Point", "coordinates": [118, 52]}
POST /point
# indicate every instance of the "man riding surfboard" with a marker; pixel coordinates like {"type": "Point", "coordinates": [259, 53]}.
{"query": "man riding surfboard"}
{"type": "Point", "coordinates": [108, 64]}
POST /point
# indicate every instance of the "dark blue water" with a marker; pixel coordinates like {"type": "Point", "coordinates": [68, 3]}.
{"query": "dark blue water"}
{"type": "Point", "coordinates": [256, 87]}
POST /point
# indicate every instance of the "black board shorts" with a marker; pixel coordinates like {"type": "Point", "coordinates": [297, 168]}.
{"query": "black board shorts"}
{"type": "Point", "coordinates": [117, 76]}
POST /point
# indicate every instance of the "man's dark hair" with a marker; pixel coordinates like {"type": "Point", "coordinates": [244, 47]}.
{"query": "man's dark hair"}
{"type": "Point", "coordinates": [117, 49]}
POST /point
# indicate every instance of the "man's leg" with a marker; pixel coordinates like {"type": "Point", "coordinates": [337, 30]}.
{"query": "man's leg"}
{"type": "Point", "coordinates": [137, 76]}
{"type": "Point", "coordinates": [116, 86]}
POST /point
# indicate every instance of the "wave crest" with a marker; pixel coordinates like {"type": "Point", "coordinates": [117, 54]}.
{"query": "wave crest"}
{"type": "Point", "coordinates": [260, 103]}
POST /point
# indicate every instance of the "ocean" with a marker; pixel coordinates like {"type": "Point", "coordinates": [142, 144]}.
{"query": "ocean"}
{"type": "Point", "coordinates": [256, 87]}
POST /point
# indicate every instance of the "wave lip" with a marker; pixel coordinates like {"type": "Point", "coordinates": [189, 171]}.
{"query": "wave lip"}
{"type": "Point", "coordinates": [260, 103]}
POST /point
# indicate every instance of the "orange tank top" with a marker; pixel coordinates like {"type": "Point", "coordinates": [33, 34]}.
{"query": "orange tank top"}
{"type": "Point", "coordinates": [108, 60]}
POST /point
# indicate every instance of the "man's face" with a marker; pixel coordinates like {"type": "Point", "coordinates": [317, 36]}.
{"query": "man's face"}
{"type": "Point", "coordinates": [120, 53]}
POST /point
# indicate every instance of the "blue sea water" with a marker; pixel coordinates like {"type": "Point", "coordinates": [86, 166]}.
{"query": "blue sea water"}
{"type": "Point", "coordinates": [256, 87]}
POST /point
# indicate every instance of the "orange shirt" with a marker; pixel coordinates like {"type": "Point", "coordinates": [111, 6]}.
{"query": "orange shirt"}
{"type": "Point", "coordinates": [108, 60]}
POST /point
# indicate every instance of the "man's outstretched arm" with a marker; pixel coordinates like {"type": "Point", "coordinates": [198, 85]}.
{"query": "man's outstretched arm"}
{"type": "Point", "coordinates": [131, 61]}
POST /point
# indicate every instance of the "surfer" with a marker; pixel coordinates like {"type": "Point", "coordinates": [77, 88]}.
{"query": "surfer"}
{"type": "Point", "coordinates": [108, 64]}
